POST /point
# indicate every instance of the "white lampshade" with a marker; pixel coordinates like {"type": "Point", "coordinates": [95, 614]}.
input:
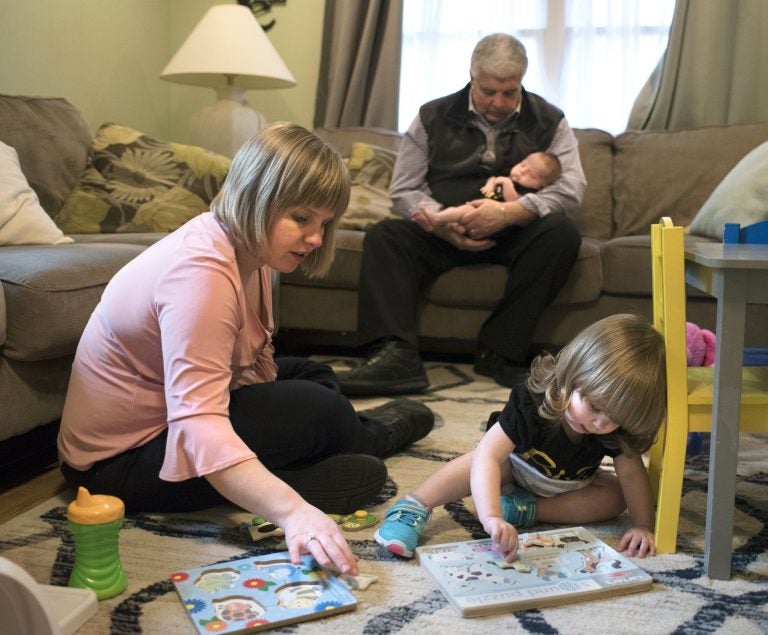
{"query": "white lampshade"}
{"type": "Point", "coordinates": [229, 52]}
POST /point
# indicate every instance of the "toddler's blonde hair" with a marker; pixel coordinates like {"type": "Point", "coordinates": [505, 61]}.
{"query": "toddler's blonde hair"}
{"type": "Point", "coordinates": [618, 365]}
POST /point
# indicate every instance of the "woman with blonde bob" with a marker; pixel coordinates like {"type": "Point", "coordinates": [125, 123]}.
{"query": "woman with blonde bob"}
{"type": "Point", "coordinates": [176, 401]}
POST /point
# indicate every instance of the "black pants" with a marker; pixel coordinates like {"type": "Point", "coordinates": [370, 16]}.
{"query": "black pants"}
{"type": "Point", "coordinates": [297, 420]}
{"type": "Point", "coordinates": [401, 260]}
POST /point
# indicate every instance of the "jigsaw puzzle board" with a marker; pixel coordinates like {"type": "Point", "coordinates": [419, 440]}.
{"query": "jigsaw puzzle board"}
{"type": "Point", "coordinates": [552, 567]}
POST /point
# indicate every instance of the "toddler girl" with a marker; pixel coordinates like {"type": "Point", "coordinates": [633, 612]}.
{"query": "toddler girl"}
{"type": "Point", "coordinates": [602, 395]}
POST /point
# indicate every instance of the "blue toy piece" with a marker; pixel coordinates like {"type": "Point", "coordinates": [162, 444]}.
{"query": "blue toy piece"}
{"type": "Point", "coordinates": [755, 234]}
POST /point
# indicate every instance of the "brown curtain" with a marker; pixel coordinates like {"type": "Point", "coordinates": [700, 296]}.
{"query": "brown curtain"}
{"type": "Point", "coordinates": [360, 64]}
{"type": "Point", "coordinates": [714, 70]}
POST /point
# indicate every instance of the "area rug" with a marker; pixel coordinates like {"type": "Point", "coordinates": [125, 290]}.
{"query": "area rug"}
{"type": "Point", "coordinates": [404, 599]}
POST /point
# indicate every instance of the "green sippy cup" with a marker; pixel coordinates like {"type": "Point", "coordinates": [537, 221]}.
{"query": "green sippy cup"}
{"type": "Point", "coordinates": [95, 523]}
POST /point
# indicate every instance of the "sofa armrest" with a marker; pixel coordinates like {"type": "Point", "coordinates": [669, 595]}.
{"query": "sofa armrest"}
{"type": "Point", "coordinates": [3, 320]}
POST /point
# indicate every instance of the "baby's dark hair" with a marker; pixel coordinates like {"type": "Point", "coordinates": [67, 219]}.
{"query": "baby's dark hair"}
{"type": "Point", "coordinates": [553, 165]}
{"type": "Point", "coordinates": [618, 366]}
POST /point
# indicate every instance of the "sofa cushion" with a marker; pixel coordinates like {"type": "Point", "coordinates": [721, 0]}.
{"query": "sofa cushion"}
{"type": "Point", "coordinates": [482, 286]}
{"type": "Point", "coordinates": [52, 141]}
{"type": "Point", "coordinates": [344, 271]}
{"type": "Point", "coordinates": [22, 220]}
{"type": "Point", "coordinates": [32, 394]}
{"type": "Point", "coordinates": [741, 197]}
{"type": "Point", "coordinates": [134, 183]}
{"type": "Point", "coordinates": [672, 172]}
{"type": "Point", "coordinates": [594, 218]}
{"type": "Point", "coordinates": [627, 265]}
{"type": "Point", "coordinates": [137, 238]}
{"type": "Point", "coordinates": [370, 167]}
{"type": "Point", "coordinates": [478, 286]}
{"type": "Point", "coordinates": [51, 291]}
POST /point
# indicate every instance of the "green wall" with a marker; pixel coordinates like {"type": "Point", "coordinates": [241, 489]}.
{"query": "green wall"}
{"type": "Point", "coordinates": [105, 56]}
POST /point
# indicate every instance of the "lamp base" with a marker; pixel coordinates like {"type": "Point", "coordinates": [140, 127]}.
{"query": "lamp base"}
{"type": "Point", "coordinates": [225, 126]}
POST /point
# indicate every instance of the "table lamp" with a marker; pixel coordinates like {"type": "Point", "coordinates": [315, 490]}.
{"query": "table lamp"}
{"type": "Point", "coordinates": [228, 51]}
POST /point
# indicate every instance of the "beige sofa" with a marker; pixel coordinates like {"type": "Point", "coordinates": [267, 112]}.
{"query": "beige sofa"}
{"type": "Point", "coordinates": [633, 179]}
{"type": "Point", "coordinates": [48, 291]}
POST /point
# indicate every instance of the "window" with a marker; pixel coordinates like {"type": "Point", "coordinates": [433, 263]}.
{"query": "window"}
{"type": "Point", "coordinates": [588, 57]}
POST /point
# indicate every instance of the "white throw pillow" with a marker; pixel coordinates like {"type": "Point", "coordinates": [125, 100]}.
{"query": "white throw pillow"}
{"type": "Point", "coordinates": [741, 197]}
{"type": "Point", "coordinates": [22, 220]}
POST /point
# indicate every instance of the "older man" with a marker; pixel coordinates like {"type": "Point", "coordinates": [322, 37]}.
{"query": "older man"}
{"type": "Point", "coordinates": [453, 145]}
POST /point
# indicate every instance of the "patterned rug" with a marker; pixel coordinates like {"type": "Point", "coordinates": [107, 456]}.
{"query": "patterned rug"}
{"type": "Point", "coordinates": [405, 600]}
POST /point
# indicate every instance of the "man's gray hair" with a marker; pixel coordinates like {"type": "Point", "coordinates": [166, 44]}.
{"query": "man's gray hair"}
{"type": "Point", "coordinates": [499, 55]}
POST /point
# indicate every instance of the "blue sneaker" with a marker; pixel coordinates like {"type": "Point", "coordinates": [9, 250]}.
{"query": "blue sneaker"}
{"type": "Point", "coordinates": [402, 527]}
{"type": "Point", "coordinates": [518, 508]}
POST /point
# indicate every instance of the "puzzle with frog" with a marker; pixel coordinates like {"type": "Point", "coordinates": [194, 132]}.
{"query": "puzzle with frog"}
{"type": "Point", "coordinates": [552, 567]}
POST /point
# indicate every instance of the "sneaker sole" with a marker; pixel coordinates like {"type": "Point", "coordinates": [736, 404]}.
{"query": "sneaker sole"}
{"type": "Point", "coordinates": [393, 546]}
{"type": "Point", "coordinates": [340, 484]}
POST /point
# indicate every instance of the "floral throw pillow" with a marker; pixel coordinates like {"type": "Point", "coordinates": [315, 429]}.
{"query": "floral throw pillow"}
{"type": "Point", "coordinates": [134, 183]}
{"type": "Point", "coordinates": [371, 170]}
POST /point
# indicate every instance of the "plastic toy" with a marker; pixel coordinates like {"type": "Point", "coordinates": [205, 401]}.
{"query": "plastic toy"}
{"type": "Point", "coordinates": [699, 345]}
{"type": "Point", "coordinates": [700, 351]}
{"type": "Point", "coordinates": [95, 523]}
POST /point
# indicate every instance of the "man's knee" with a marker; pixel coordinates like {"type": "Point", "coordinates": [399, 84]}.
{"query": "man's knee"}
{"type": "Point", "coordinates": [562, 234]}
{"type": "Point", "coordinates": [384, 232]}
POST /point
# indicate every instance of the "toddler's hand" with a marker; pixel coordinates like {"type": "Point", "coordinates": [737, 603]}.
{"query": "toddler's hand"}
{"type": "Point", "coordinates": [504, 536]}
{"type": "Point", "coordinates": [638, 541]}
{"type": "Point", "coordinates": [488, 190]}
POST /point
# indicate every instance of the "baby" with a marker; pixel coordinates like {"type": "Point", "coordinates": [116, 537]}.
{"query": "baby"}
{"type": "Point", "coordinates": [534, 172]}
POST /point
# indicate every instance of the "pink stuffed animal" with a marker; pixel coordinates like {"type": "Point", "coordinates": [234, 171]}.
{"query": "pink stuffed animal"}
{"type": "Point", "coordinates": [700, 345]}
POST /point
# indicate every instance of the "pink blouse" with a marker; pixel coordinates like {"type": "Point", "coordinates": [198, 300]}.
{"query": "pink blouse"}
{"type": "Point", "coordinates": [177, 328]}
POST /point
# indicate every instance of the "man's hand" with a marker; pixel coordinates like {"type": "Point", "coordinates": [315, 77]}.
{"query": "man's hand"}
{"type": "Point", "coordinates": [456, 234]}
{"type": "Point", "coordinates": [422, 218]}
{"type": "Point", "coordinates": [489, 217]}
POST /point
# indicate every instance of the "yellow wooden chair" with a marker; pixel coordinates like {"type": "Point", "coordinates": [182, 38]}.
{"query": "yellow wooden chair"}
{"type": "Point", "coordinates": [689, 390]}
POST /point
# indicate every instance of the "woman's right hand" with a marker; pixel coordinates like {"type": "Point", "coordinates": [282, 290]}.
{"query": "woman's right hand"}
{"type": "Point", "coordinates": [307, 530]}
{"type": "Point", "coordinates": [310, 531]}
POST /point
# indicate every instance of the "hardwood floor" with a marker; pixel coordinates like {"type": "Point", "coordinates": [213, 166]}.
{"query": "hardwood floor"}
{"type": "Point", "coordinates": [23, 490]}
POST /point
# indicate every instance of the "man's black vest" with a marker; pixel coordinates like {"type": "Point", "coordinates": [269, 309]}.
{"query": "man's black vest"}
{"type": "Point", "coordinates": [455, 174]}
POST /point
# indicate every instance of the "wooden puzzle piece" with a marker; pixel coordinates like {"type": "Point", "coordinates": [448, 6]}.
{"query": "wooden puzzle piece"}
{"type": "Point", "coordinates": [360, 519]}
{"type": "Point", "coordinates": [359, 582]}
{"type": "Point", "coordinates": [261, 528]}
{"type": "Point", "coordinates": [518, 566]}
